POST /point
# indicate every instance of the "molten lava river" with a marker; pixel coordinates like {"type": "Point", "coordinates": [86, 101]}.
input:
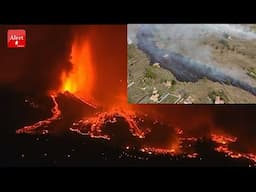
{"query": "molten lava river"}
{"type": "Point", "coordinates": [113, 119]}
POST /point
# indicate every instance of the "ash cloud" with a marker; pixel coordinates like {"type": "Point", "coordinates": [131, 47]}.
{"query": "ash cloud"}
{"type": "Point", "coordinates": [36, 69]}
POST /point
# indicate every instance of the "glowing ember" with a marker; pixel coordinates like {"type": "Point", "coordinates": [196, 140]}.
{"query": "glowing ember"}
{"type": "Point", "coordinates": [90, 134]}
{"type": "Point", "coordinates": [223, 147]}
{"type": "Point", "coordinates": [172, 152]}
{"type": "Point", "coordinates": [179, 131]}
{"type": "Point", "coordinates": [189, 139]}
{"type": "Point", "coordinates": [93, 126]}
{"type": "Point", "coordinates": [33, 128]}
{"type": "Point", "coordinates": [221, 139]}
{"type": "Point", "coordinates": [192, 155]}
{"type": "Point", "coordinates": [151, 150]}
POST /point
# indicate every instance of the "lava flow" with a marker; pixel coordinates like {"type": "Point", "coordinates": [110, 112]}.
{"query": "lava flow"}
{"type": "Point", "coordinates": [93, 126]}
{"type": "Point", "coordinates": [33, 128]}
{"type": "Point", "coordinates": [223, 147]}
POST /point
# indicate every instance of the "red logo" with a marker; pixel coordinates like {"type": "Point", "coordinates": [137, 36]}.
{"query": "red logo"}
{"type": "Point", "coordinates": [16, 38]}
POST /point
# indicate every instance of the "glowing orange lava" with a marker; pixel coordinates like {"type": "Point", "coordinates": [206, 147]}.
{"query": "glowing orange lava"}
{"type": "Point", "coordinates": [223, 147]}
{"type": "Point", "coordinates": [33, 128]}
{"type": "Point", "coordinates": [222, 139]}
{"type": "Point", "coordinates": [79, 80]}
{"type": "Point", "coordinates": [95, 124]}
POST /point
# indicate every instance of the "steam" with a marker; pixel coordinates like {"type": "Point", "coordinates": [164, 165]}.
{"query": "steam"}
{"type": "Point", "coordinates": [235, 30]}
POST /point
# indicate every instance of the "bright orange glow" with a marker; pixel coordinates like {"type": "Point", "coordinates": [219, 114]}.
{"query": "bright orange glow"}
{"type": "Point", "coordinates": [222, 139]}
{"type": "Point", "coordinates": [96, 123]}
{"type": "Point", "coordinates": [80, 79]}
{"type": "Point", "coordinates": [223, 142]}
{"type": "Point", "coordinates": [44, 123]}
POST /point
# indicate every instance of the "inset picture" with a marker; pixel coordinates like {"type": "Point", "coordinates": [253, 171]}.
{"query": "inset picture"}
{"type": "Point", "coordinates": [191, 63]}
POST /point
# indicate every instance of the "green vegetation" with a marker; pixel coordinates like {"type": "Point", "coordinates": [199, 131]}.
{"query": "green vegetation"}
{"type": "Point", "coordinates": [252, 72]}
{"type": "Point", "coordinates": [149, 73]}
{"type": "Point", "coordinates": [170, 99]}
{"type": "Point", "coordinates": [149, 82]}
{"type": "Point", "coordinates": [163, 80]}
{"type": "Point", "coordinates": [213, 94]}
{"type": "Point", "coordinates": [228, 82]}
{"type": "Point", "coordinates": [172, 88]}
{"type": "Point", "coordinates": [174, 82]}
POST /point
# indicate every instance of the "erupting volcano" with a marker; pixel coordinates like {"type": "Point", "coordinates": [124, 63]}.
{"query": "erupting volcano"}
{"type": "Point", "coordinates": [89, 114]}
{"type": "Point", "coordinates": [80, 79]}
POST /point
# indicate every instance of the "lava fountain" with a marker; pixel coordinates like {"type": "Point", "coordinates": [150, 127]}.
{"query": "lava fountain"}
{"type": "Point", "coordinates": [97, 78]}
{"type": "Point", "coordinates": [81, 75]}
{"type": "Point", "coordinates": [80, 80]}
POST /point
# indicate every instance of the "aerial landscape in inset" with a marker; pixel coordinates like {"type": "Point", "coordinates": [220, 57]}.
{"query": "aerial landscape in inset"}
{"type": "Point", "coordinates": [191, 63]}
